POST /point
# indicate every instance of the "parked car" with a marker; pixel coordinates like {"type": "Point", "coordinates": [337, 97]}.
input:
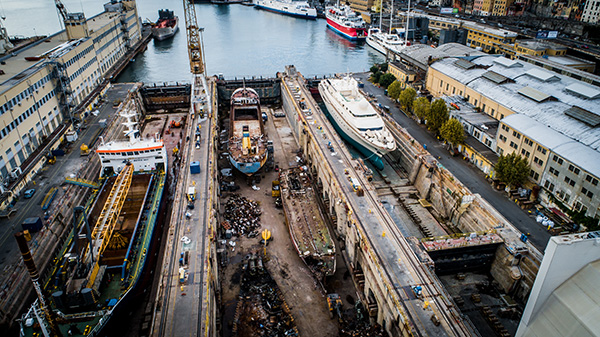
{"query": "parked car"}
{"type": "Point", "coordinates": [29, 193]}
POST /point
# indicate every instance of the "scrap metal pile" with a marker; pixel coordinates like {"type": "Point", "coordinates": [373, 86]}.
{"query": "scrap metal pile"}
{"type": "Point", "coordinates": [241, 215]}
{"type": "Point", "coordinates": [261, 310]}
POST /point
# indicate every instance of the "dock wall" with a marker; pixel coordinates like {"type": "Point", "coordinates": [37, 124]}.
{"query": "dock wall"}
{"type": "Point", "coordinates": [466, 212]}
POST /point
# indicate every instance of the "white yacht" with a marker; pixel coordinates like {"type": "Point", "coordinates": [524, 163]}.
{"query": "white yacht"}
{"type": "Point", "coordinates": [299, 9]}
{"type": "Point", "coordinates": [355, 119]}
{"type": "Point", "coordinates": [382, 42]}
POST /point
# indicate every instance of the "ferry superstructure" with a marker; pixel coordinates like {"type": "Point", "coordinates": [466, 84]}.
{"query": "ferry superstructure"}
{"type": "Point", "coordinates": [166, 26]}
{"type": "Point", "coordinates": [300, 9]}
{"type": "Point", "coordinates": [382, 42]}
{"type": "Point", "coordinates": [355, 119]}
{"type": "Point", "coordinates": [103, 258]}
{"type": "Point", "coordinates": [344, 21]}
{"type": "Point", "coordinates": [306, 223]}
{"type": "Point", "coordinates": [247, 139]}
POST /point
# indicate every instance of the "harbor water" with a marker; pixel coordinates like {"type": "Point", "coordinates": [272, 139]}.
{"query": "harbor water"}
{"type": "Point", "coordinates": [239, 41]}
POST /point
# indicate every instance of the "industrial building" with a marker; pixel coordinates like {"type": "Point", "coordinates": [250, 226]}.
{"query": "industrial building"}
{"type": "Point", "coordinates": [45, 85]}
{"type": "Point", "coordinates": [546, 117]}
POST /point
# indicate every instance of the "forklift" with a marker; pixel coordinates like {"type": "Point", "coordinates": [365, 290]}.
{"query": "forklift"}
{"type": "Point", "coordinates": [51, 158]}
{"type": "Point", "coordinates": [334, 302]}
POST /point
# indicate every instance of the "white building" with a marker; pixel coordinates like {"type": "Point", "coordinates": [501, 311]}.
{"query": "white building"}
{"type": "Point", "coordinates": [591, 12]}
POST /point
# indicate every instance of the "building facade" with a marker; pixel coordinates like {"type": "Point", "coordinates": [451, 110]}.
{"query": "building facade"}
{"type": "Point", "coordinates": [550, 119]}
{"type": "Point", "coordinates": [41, 85]}
{"type": "Point", "coordinates": [591, 12]}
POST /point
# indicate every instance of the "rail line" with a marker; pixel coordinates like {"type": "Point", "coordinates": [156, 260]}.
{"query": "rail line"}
{"type": "Point", "coordinates": [445, 309]}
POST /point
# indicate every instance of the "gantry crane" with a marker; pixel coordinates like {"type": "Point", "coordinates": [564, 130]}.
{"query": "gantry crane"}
{"type": "Point", "coordinates": [103, 230]}
{"type": "Point", "coordinates": [199, 96]}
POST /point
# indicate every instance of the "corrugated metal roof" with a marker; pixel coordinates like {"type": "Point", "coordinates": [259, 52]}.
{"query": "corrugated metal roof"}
{"type": "Point", "coordinates": [495, 77]}
{"type": "Point", "coordinates": [583, 90]}
{"type": "Point", "coordinates": [542, 75]}
{"type": "Point", "coordinates": [534, 94]}
{"type": "Point", "coordinates": [583, 115]}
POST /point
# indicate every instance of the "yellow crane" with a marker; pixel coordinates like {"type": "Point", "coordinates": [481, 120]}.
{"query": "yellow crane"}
{"type": "Point", "coordinates": [193, 38]}
{"type": "Point", "coordinates": [103, 231]}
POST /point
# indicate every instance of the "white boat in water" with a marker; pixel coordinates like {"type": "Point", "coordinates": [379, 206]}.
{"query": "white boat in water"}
{"type": "Point", "coordinates": [355, 119]}
{"type": "Point", "coordinates": [300, 9]}
{"type": "Point", "coordinates": [384, 42]}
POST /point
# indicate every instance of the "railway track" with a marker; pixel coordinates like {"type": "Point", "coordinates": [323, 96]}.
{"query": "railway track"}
{"type": "Point", "coordinates": [446, 311]}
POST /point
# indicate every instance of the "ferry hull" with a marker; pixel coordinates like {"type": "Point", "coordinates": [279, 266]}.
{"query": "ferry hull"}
{"type": "Point", "coordinates": [248, 168]}
{"type": "Point", "coordinates": [278, 11]}
{"type": "Point", "coordinates": [377, 46]}
{"type": "Point", "coordinates": [347, 32]}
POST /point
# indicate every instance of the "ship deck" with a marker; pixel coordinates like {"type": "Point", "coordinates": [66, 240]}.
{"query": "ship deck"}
{"type": "Point", "coordinates": [307, 228]}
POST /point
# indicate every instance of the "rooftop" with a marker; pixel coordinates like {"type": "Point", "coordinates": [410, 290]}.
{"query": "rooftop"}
{"type": "Point", "coordinates": [562, 67]}
{"type": "Point", "coordinates": [421, 53]}
{"type": "Point", "coordinates": [529, 94]}
{"type": "Point", "coordinates": [466, 111]}
{"type": "Point", "coordinates": [575, 152]}
{"type": "Point", "coordinates": [16, 67]}
{"type": "Point", "coordinates": [540, 45]}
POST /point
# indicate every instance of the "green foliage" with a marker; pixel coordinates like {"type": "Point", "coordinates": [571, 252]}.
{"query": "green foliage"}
{"type": "Point", "coordinates": [453, 132]}
{"type": "Point", "coordinates": [394, 90]}
{"type": "Point", "coordinates": [376, 76]}
{"type": "Point", "coordinates": [386, 79]}
{"type": "Point", "coordinates": [438, 115]}
{"type": "Point", "coordinates": [374, 69]}
{"type": "Point", "coordinates": [512, 169]}
{"type": "Point", "coordinates": [383, 67]}
{"type": "Point", "coordinates": [407, 97]}
{"type": "Point", "coordinates": [422, 107]}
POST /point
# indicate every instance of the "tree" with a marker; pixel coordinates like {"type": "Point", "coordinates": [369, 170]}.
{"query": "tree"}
{"type": "Point", "coordinates": [383, 67]}
{"type": "Point", "coordinates": [422, 107]}
{"type": "Point", "coordinates": [394, 90]}
{"type": "Point", "coordinates": [376, 76]}
{"type": "Point", "coordinates": [453, 132]}
{"type": "Point", "coordinates": [386, 79]}
{"type": "Point", "coordinates": [407, 98]}
{"type": "Point", "coordinates": [438, 115]}
{"type": "Point", "coordinates": [374, 69]}
{"type": "Point", "coordinates": [512, 169]}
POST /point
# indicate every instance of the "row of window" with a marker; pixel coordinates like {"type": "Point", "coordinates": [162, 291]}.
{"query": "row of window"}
{"type": "Point", "coordinates": [82, 69]}
{"type": "Point", "coordinates": [106, 32]}
{"type": "Point", "coordinates": [24, 94]}
{"type": "Point", "coordinates": [109, 43]}
{"type": "Point", "coordinates": [132, 153]}
{"type": "Point", "coordinates": [21, 118]}
{"type": "Point", "coordinates": [79, 56]}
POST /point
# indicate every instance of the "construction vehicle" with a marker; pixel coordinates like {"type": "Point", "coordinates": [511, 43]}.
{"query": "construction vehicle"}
{"type": "Point", "coordinates": [275, 191]}
{"type": "Point", "coordinates": [356, 187]}
{"type": "Point", "coordinates": [51, 159]}
{"type": "Point", "coordinates": [191, 195]}
{"type": "Point", "coordinates": [85, 150]}
{"type": "Point", "coordinates": [367, 172]}
{"type": "Point", "coordinates": [334, 302]}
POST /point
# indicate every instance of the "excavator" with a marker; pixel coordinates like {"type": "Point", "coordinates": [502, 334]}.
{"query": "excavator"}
{"type": "Point", "coordinates": [334, 302]}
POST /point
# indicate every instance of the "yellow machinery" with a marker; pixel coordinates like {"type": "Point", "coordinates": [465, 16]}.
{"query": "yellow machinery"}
{"type": "Point", "coordinates": [103, 230]}
{"type": "Point", "coordinates": [275, 189]}
{"type": "Point", "coordinates": [193, 38]}
{"type": "Point", "coordinates": [334, 302]}
{"type": "Point", "coordinates": [85, 150]}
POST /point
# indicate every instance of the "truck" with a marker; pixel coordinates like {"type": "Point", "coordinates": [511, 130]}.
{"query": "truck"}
{"type": "Point", "coordinates": [71, 136]}
{"type": "Point", "coordinates": [191, 195]}
{"type": "Point", "coordinates": [33, 224]}
{"type": "Point", "coordinates": [356, 187]}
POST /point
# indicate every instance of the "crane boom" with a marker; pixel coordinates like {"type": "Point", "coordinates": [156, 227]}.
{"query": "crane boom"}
{"type": "Point", "coordinates": [61, 9]}
{"type": "Point", "coordinates": [193, 38]}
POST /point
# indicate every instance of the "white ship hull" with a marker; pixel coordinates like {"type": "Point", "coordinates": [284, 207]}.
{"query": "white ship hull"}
{"type": "Point", "coordinates": [298, 9]}
{"type": "Point", "coordinates": [342, 117]}
{"type": "Point", "coordinates": [164, 33]}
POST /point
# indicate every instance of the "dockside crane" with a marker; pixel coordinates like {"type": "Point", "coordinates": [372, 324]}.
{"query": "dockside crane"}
{"type": "Point", "coordinates": [199, 96]}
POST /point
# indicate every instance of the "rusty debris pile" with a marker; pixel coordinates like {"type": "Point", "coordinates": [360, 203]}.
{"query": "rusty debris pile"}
{"type": "Point", "coordinates": [241, 215]}
{"type": "Point", "coordinates": [261, 309]}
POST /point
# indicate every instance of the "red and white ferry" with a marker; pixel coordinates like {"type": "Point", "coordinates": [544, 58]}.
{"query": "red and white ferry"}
{"type": "Point", "coordinates": [344, 21]}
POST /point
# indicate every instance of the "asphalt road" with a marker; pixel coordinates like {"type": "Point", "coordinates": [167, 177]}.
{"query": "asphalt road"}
{"type": "Point", "coordinates": [469, 175]}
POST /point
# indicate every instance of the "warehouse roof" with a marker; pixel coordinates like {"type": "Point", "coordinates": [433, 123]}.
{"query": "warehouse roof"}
{"type": "Point", "coordinates": [573, 151]}
{"type": "Point", "coordinates": [530, 94]}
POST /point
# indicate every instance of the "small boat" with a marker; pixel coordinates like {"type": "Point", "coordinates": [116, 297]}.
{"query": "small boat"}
{"type": "Point", "coordinates": [247, 139]}
{"type": "Point", "coordinates": [344, 21]}
{"type": "Point", "coordinates": [166, 26]}
{"type": "Point", "coordinates": [355, 119]}
{"type": "Point", "coordinates": [300, 9]}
